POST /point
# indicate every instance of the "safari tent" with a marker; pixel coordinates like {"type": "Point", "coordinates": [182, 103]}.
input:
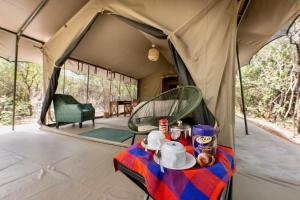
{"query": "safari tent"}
{"type": "Point", "coordinates": [197, 39]}
{"type": "Point", "coordinates": [200, 45]}
{"type": "Point", "coordinates": [203, 42]}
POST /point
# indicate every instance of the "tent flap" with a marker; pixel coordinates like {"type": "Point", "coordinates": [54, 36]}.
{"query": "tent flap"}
{"type": "Point", "coordinates": [75, 43]}
{"type": "Point", "coordinates": [49, 95]}
{"type": "Point", "coordinates": [201, 115]}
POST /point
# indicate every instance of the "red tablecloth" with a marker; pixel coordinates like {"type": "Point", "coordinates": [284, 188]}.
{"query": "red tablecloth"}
{"type": "Point", "coordinates": [195, 183]}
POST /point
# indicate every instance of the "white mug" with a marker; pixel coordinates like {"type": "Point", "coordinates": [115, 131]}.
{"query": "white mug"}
{"type": "Point", "coordinates": [173, 154]}
{"type": "Point", "coordinates": [155, 139]}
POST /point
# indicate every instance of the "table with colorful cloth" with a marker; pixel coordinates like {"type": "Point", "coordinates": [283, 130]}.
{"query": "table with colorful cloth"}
{"type": "Point", "coordinates": [194, 183]}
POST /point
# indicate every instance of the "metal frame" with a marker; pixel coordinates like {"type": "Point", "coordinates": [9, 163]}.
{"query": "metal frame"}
{"type": "Point", "coordinates": [22, 35]}
{"type": "Point", "coordinates": [136, 178]}
{"type": "Point", "coordinates": [242, 90]}
{"type": "Point", "coordinates": [244, 8]}
{"type": "Point", "coordinates": [139, 181]}
{"type": "Point", "coordinates": [245, 4]}
{"type": "Point", "coordinates": [87, 85]}
{"type": "Point", "coordinates": [98, 66]}
{"type": "Point", "coordinates": [19, 34]}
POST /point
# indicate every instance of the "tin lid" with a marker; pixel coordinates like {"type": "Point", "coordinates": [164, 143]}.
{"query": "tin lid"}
{"type": "Point", "coordinates": [203, 130]}
{"type": "Point", "coordinates": [162, 120]}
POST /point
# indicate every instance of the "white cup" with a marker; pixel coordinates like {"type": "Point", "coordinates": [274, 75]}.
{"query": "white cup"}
{"type": "Point", "coordinates": [173, 155]}
{"type": "Point", "coordinates": [155, 139]}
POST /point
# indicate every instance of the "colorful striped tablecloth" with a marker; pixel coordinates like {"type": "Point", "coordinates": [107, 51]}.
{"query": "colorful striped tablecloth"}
{"type": "Point", "coordinates": [195, 183]}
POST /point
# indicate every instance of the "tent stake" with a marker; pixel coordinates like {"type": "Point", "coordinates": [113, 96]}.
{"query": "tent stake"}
{"type": "Point", "coordinates": [242, 90]}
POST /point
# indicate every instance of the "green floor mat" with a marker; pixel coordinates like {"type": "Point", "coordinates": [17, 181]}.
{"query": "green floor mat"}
{"type": "Point", "coordinates": [112, 134]}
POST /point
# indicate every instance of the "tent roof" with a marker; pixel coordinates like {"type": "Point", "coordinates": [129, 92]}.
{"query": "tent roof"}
{"type": "Point", "coordinates": [53, 16]}
{"type": "Point", "coordinates": [119, 47]}
{"type": "Point", "coordinates": [262, 20]}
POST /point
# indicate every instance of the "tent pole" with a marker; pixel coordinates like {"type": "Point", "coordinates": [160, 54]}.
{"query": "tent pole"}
{"type": "Point", "coordinates": [119, 88]}
{"type": "Point", "coordinates": [130, 89]}
{"type": "Point", "coordinates": [32, 16]}
{"type": "Point", "coordinates": [109, 104]}
{"type": "Point", "coordinates": [18, 36]}
{"type": "Point", "coordinates": [110, 86]}
{"type": "Point", "coordinates": [242, 90]}
{"type": "Point", "coordinates": [15, 80]}
{"type": "Point", "coordinates": [87, 85]}
{"type": "Point", "coordinates": [64, 81]}
{"type": "Point", "coordinates": [243, 11]}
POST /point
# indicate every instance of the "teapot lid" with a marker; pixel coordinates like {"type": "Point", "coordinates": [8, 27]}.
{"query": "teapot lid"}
{"type": "Point", "coordinates": [181, 126]}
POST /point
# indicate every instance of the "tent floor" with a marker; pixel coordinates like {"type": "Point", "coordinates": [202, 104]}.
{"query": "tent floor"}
{"type": "Point", "coordinates": [74, 130]}
{"type": "Point", "coordinates": [50, 166]}
{"type": "Point", "coordinates": [36, 164]}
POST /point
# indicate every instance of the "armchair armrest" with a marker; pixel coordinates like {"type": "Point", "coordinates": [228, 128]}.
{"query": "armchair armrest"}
{"type": "Point", "coordinates": [88, 106]}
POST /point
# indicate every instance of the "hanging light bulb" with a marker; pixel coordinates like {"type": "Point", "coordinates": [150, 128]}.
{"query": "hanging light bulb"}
{"type": "Point", "coordinates": [153, 53]}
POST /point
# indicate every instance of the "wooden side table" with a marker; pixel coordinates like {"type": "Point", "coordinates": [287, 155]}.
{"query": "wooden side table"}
{"type": "Point", "coordinates": [114, 108]}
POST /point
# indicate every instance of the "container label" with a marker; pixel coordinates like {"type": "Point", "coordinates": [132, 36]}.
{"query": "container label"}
{"type": "Point", "coordinates": [204, 139]}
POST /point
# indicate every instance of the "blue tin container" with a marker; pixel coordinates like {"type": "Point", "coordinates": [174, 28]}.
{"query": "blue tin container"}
{"type": "Point", "coordinates": [204, 140]}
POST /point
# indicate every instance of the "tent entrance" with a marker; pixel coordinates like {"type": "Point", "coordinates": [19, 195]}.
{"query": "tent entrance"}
{"type": "Point", "coordinates": [119, 46]}
{"type": "Point", "coordinates": [88, 83]}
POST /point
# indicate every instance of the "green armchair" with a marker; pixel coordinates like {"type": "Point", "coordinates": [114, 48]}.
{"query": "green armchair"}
{"type": "Point", "coordinates": [69, 110]}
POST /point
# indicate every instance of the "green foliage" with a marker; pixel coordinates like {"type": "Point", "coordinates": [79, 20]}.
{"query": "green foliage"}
{"type": "Point", "coordinates": [100, 90]}
{"type": "Point", "coordinates": [267, 81]}
{"type": "Point", "coordinates": [29, 89]}
{"type": "Point", "coordinates": [271, 79]}
{"type": "Point", "coordinates": [5, 110]}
